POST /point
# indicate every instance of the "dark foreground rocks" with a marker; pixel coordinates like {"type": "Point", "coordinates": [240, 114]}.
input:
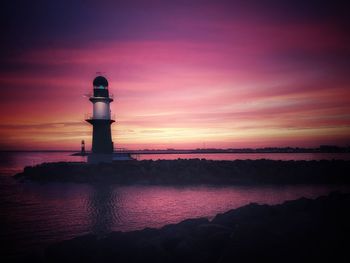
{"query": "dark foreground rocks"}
{"type": "Point", "coordinates": [297, 231]}
{"type": "Point", "coordinates": [194, 171]}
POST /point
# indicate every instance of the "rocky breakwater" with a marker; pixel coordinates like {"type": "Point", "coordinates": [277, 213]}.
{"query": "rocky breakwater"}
{"type": "Point", "coordinates": [194, 171]}
{"type": "Point", "coordinates": [303, 230]}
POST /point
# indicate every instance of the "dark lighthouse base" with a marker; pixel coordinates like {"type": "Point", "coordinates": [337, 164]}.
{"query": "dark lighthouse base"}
{"type": "Point", "coordinates": [102, 144]}
{"type": "Point", "coordinates": [101, 138]}
{"type": "Point", "coordinates": [96, 158]}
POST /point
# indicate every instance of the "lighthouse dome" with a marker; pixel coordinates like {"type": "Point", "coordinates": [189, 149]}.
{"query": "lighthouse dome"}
{"type": "Point", "coordinates": [100, 82]}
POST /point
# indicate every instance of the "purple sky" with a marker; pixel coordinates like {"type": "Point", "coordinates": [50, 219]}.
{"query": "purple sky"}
{"type": "Point", "coordinates": [184, 73]}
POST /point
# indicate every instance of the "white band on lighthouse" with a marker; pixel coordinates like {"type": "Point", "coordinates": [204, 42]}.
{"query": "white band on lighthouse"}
{"type": "Point", "coordinates": [101, 110]}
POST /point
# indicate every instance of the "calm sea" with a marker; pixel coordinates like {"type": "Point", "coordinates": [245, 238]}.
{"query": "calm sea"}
{"type": "Point", "coordinates": [34, 215]}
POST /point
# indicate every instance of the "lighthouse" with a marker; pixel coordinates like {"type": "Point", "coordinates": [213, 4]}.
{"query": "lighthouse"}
{"type": "Point", "coordinates": [102, 144]}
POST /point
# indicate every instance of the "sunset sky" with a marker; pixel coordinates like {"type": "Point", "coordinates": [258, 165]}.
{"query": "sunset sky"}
{"type": "Point", "coordinates": [184, 74]}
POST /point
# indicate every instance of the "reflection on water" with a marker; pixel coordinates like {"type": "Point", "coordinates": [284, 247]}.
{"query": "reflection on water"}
{"type": "Point", "coordinates": [35, 214]}
{"type": "Point", "coordinates": [102, 209]}
{"type": "Point", "coordinates": [60, 211]}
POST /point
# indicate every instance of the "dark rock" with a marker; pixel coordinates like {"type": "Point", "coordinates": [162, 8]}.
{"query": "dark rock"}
{"type": "Point", "coordinates": [194, 171]}
{"type": "Point", "coordinates": [79, 249]}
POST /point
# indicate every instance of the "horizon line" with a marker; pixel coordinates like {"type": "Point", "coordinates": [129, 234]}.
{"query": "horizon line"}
{"type": "Point", "coordinates": [176, 149]}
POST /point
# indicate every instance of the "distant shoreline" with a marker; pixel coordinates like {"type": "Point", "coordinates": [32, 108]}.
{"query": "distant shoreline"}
{"type": "Point", "coordinates": [193, 172]}
{"type": "Point", "coordinates": [321, 149]}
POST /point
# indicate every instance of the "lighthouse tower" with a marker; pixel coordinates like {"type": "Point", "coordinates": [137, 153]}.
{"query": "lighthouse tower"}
{"type": "Point", "coordinates": [101, 121]}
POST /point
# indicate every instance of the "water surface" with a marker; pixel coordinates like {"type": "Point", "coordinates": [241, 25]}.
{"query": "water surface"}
{"type": "Point", "coordinates": [34, 215]}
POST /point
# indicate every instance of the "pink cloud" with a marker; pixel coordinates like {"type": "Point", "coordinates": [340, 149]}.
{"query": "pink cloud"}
{"type": "Point", "coordinates": [234, 89]}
